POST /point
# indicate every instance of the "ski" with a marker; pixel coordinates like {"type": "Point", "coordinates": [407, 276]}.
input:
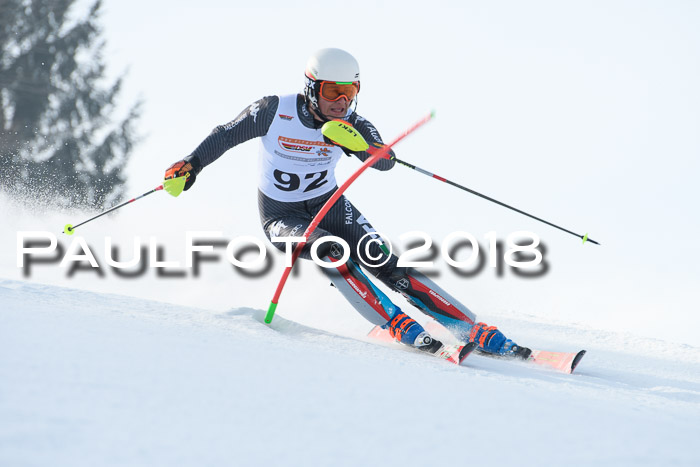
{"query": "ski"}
{"type": "Point", "coordinates": [565, 362]}
{"type": "Point", "coordinates": [561, 361]}
{"type": "Point", "coordinates": [453, 353]}
{"type": "Point", "coordinates": [456, 353]}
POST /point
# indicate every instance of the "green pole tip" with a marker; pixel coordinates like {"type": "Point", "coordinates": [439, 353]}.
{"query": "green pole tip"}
{"type": "Point", "coordinates": [585, 238]}
{"type": "Point", "coordinates": [432, 114]}
{"type": "Point", "coordinates": [68, 229]}
{"type": "Point", "coordinates": [270, 312]}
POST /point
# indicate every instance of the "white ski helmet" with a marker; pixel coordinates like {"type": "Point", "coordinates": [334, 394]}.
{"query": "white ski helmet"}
{"type": "Point", "coordinates": [329, 65]}
{"type": "Point", "coordinates": [333, 65]}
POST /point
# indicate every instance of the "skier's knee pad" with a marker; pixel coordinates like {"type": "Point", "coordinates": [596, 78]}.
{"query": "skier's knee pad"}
{"type": "Point", "coordinates": [332, 251]}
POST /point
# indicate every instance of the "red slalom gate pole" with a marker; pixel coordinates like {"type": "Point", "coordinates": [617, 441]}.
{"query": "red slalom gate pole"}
{"type": "Point", "coordinates": [377, 154]}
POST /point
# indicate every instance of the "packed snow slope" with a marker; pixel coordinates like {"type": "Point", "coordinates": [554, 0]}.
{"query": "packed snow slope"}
{"type": "Point", "coordinates": [97, 379]}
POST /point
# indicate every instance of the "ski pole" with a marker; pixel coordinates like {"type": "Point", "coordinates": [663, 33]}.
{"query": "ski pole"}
{"type": "Point", "coordinates": [343, 134]}
{"type": "Point", "coordinates": [437, 177]}
{"type": "Point", "coordinates": [174, 186]}
{"type": "Point", "coordinates": [70, 229]}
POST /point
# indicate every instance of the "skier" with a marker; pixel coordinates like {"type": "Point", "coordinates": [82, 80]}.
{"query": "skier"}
{"type": "Point", "coordinates": [296, 177]}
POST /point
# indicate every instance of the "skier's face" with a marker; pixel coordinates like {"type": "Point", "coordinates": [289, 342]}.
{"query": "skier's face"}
{"type": "Point", "coordinates": [334, 109]}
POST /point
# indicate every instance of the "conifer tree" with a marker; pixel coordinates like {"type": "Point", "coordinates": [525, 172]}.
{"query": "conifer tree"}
{"type": "Point", "coordinates": [59, 143]}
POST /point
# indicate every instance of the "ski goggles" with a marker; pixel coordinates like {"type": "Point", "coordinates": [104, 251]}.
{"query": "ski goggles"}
{"type": "Point", "coordinates": [333, 90]}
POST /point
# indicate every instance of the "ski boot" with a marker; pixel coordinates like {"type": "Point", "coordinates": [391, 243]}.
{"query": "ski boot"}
{"type": "Point", "coordinates": [491, 341]}
{"type": "Point", "coordinates": [408, 331]}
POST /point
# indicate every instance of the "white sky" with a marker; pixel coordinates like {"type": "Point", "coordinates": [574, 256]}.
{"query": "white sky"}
{"type": "Point", "coordinates": [583, 113]}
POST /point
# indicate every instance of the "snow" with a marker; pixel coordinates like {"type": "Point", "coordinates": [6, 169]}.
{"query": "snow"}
{"type": "Point", "coordinates": [102, 379]}
{"type": "Point", "coordinates": [584, 114]}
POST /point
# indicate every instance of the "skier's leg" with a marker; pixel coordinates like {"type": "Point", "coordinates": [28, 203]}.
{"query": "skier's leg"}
{"type": "Point", "coordinates": [428, 297]}
{"type": "Point", "coordinates": [345, 221]}
{"type": "Point", "coordinates": [374, 305]}
{"type": "Point", "coordinates": [292, 219]}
